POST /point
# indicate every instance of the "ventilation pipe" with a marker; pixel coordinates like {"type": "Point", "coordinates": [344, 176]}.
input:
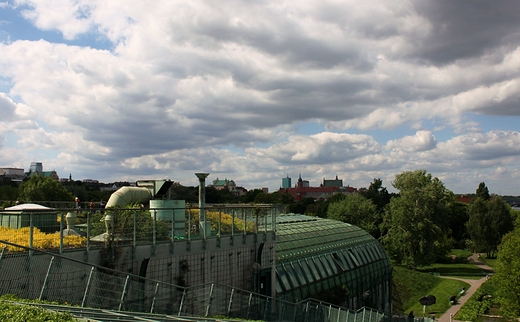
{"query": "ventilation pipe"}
{"type": "Point", "coordinates": [123, 197]}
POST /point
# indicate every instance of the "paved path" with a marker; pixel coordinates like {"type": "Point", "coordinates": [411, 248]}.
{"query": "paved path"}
{"type": "Point", "coordinates": [474, 285]}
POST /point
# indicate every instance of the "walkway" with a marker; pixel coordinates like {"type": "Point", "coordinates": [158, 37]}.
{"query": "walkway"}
{"type": "Point", "coordinates": [474, 285]}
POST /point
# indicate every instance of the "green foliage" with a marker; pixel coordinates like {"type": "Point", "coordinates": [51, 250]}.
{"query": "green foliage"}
{"type": "Point", "coordinates": [507, 277]}
{"type": "Point", "coordinates": [8, 189]}
{"type": "Point", "coordinates": [488, 222]}
{"type": "Point", "coordinates": [378, 194]}
{"type": "Point", "coordinates": [38, 188]}
{"type": "Point", "coordinates": [302, 206]}
{"type": "Point", "coordinates": [482, 191]}
{"type": "Point", "coordinates": [415, 225]}
{"type": "Point", "coordinates": [124, 224]}
{"type": "Point", "coordinates": [322, 206]}
{"type": "Point", "coordinates": [479, 303]}
{"type": "Point", "coordinates": [19, 312]}
{"type": "Point", "coordinates": [356, 210]}
{"type": "Point", "coordinates": [457, 213]}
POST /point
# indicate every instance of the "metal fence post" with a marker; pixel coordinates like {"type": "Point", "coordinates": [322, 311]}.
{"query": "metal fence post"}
{"type": "Point", "coordinates": [61, 232]}
{"type": "Point", "coordinates": [152, 307]}
{"type": "Point", "coordinates": [88, 236]}
{"type": "Point", "coordinates": [209, 299]}
{"type": "Point", "coordinates": [31, 234]}
{"type": "Point", "coordinates": [230, 301]}
{"type": "Point", "coordinates": [124, 293]}
{"type": "Point", "coordinates": [46, 278]}
{"type": "Point", "coordinates": [87, 287]}
{"type": "Point", "coordinates": [135, 231]}
{"type": "Point", "coordinates": [182, 302]}
{"type": "Point", "coordinates": [2, 255]}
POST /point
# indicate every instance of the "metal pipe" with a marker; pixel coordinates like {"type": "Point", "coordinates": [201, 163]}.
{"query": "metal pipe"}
{"type": "Point", "coordinates": [202, 201]}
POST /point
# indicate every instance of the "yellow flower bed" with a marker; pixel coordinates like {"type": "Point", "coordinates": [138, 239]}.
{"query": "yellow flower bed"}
{"type": "Point", "coordinates": [41, 240]}
{"type": "Point", "coordinates": [226, 221]}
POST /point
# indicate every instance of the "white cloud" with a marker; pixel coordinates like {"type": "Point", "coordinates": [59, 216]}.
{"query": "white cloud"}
{"type": "Point", "coordinates": [224, 87]}
{"type": "Point", "coordinates": [421, 141]}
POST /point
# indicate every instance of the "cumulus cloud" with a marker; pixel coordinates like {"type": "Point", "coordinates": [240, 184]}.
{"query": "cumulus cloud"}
{"type": "Point", "coordinates": [421, 141]}
{"type": "Point", "coordinates": [224, 87]}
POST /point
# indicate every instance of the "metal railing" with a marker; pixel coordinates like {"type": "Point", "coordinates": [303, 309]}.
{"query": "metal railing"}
{"type": "Point", "coordinates": [53, 277]}
{"type": "Point", "coordinates": [51, 228]}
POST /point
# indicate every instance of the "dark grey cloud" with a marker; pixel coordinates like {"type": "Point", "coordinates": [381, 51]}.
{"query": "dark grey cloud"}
{"type": "Point", "coordinates": [466, 29]}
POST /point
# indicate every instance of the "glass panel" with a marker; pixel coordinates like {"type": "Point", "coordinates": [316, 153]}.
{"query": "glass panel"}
{"type": "Point", "coordinates": [292, 276]}
{"type": "Point", "coordinates": [314, 270]}
{"type": "Point", "coordinates": [307, 271]}
{"type": "Point", "coordinates": [299, 273]}
{"type": "Point", "coordinates": [283, 278]}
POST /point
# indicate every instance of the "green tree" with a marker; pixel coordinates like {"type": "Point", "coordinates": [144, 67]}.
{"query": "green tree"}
{"type": "Point", "coordinates": [457, 218]}
{"type": "Point", "coordinates": [357, 210]}
{"type": "Point", "coordinates": [489, 220]}
{"type": "Point", "coordinates": [415, 223]}
{"type": "Point", "coordinates": [482, 191]}
{"type": "Point", "coordinates": [378, 194]}
{"type": "Point", "coordinates": [507, 276]}
{"type": "Point", "coordinates": [250, 195]}
{"type": "Point", "coordinates": [38, 188]}
{"type": "Point", "coordinates": [322, 206]}
{"type": "Point", "coordinates": [304, 206]}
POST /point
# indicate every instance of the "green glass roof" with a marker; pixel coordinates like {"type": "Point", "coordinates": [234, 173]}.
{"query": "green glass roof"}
{"type": "Point", "coordinates": [299, 236]}
{"type": "Point", "coordinates": [315, 254]}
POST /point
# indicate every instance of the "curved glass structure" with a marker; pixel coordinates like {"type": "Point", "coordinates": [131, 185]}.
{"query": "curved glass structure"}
{"type": "Point", "coordinates": [315, 254]}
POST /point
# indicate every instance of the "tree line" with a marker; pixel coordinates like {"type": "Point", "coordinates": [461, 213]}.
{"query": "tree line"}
{"type": "Point", "coordinates": [418, 225]}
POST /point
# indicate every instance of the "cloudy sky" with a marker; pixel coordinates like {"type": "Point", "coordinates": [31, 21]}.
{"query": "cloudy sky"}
{"type": "Point", "coordinates": [257, 90]}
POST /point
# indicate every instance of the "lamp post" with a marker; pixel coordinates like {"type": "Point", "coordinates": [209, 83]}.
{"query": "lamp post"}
{"type": "Point", "coordinates": [202, 201]}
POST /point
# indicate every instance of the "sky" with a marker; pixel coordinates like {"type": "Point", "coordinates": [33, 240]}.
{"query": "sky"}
{"type": "Point", "coordinates": [254, 91]}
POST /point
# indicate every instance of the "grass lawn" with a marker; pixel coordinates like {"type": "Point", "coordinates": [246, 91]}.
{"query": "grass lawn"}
{"type": "Point", "coordinates": [466, 271]}
{"type": "Point", "coordinates": [488, 261]}
{"type": "Point", "coordinates": [456, 265]}
{"type": "Point", "coordinates": [442, 292]}
{"type": "Point", "coordinates": [412, 285]}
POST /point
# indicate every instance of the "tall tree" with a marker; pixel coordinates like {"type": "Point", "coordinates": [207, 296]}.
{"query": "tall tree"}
{"type": "Point", "coordinates": [322, 206]}
{"type": "Point", "coordinates": [457, 218]}
{"type": "Point", "coordinates": [489, 220]}
{"type": "Point", "coordinates": [356, 210]}
{"type": "Point", "coordinates": [38, 188]}
{"type": "Point", "coordinates": [415, 223]}
{"type": "Point", "coordinates": [482, 191]}
{"type": "Point", "coordinates": [507, 274]}
{"type": "Point", "coordinates": [378, 194]}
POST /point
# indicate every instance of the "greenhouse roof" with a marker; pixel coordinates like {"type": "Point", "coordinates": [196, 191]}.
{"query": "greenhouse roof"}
{"type": "Point", "coordinates": [304, 236]}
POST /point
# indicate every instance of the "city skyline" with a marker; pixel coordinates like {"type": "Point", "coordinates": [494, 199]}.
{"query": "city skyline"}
{"type": "Point", "coordinates": [125, 91]}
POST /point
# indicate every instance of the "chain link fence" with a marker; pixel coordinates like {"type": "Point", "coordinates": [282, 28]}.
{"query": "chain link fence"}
{"type": "Point", "coordinates": [53, 277]}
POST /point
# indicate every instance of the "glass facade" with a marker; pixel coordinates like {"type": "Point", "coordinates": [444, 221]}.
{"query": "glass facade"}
{"type": "Point", "coordinates": [315, 254]}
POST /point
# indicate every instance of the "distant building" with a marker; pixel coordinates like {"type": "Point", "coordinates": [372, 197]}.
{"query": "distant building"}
{"type": "Point", "coordinates": [224, 184]}
{"type": "Point", "coordinates": [286, 182]}
{"type": "Point", "coordinates": [302, 183]}
{"type": "Point", "coordinates": [36, 167]}
{"type": "Point", "coordinates": [12, 172]}
{"type": "Point", "coordinates": [333, 183]}
{"type": "Point", "coordinates": [303, 190]}
{"type": "Point", "coordinates": [45, 174]}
